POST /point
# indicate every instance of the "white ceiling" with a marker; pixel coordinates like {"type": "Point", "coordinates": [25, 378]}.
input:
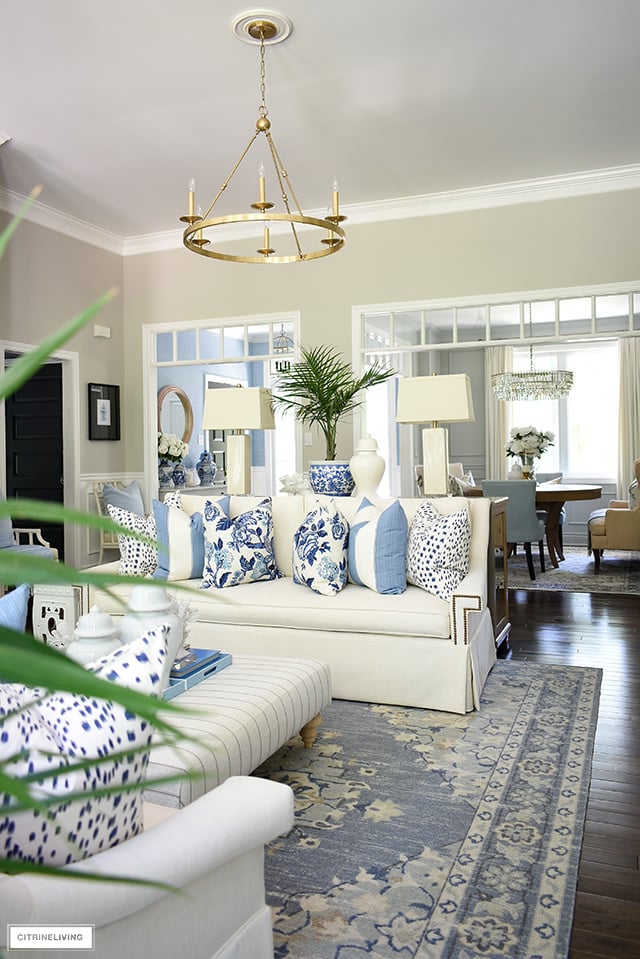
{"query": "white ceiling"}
{"type": "Point", "coordinates": [113, 106]}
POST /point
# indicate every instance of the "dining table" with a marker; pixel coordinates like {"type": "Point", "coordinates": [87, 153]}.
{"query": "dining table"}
{"type": "Point", "coordinates": [551, 497]}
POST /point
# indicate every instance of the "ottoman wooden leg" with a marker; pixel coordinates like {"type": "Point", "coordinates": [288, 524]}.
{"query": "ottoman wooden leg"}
{"type": "Point", "coordinates": [309, 730]}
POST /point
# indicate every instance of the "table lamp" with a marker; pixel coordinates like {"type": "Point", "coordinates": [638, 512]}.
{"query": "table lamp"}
{"type": "Point", "coordinates": [238, 409]}
{"type": "Point", "coordinates": [424, 399]}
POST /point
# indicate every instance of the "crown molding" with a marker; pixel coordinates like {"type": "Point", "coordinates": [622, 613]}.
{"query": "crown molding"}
{"type": "Point", "coordinates": [400, 208]}
{"type": "Point", "coordinates": [47, 216]}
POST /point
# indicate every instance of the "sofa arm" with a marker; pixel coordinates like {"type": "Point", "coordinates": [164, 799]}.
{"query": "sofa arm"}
{"type": "Point", "coordinates": [243, 813]}
{"type": "Point", "coordinates": [470, 596]}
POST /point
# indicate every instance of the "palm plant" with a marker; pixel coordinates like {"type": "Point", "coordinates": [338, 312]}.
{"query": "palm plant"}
{"type": "Point", "coordinates": [321, 388]}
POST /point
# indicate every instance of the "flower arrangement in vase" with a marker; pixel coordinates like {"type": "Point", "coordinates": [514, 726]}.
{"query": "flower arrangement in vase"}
{"type": "Point", "coordinates": [528, 444]}
{"type": "Point", "coordinates": [171, 452]}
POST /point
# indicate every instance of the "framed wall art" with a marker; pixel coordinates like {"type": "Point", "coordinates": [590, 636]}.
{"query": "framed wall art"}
{"type": "Point", "coordinates": [104, 411]}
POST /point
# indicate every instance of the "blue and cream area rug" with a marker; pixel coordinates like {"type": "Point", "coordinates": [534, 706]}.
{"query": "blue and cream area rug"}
{"type": "Point", "coordinates": [619, 572]}
{"type": "Point", "coordinates": [437, 836]}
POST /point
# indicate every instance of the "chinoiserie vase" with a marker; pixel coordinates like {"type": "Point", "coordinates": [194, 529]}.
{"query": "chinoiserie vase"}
{"type": "Point", "coordinates": [528, 464]}
{"type": "Point", "coordinates": [331, 477]}
{"type": "Point", "coordinates": [179, 476]}
{"type": "Point", "coordinates": [95, 636]}
{"type": "Point", "coordinates": [165, 470]}
{"type": "Point", "coordinates": [367, 467]}
{"type": "Point", "coordinates": [206, 468]}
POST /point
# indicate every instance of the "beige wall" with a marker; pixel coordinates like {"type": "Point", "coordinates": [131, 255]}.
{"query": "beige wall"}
{"type": "Point", "coordinates": [45, 279]}
{"type": "Point", "coordinates": [563, 243]}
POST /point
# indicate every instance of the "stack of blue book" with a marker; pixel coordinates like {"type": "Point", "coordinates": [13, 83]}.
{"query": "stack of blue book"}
{"type": "Point", "coordinates": [193, 668]}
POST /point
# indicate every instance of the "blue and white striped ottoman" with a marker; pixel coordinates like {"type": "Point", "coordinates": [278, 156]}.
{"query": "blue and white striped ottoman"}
{"type": "Point", "coordinates": [241, 716]}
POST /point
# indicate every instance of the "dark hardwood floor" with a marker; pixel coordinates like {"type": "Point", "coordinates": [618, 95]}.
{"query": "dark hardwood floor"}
{"type": "Point", "coordinates": [603, 630]}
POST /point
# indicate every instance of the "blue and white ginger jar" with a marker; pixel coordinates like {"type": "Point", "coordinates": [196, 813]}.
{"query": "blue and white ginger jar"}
{"type": "Point", "coordinates": [206, 468]}
{"type": "Point", "coordinates": [179, 476]}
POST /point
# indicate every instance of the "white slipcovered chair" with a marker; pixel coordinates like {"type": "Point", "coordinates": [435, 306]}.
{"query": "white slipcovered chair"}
{"type": "Point", "coordinates": [211, 852]}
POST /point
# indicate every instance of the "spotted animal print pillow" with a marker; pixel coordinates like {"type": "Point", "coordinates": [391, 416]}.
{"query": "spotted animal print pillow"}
{"type": "Point", "coordinates": [47, 733]}
{"type": "Point", "coordinates": [438, 550]}
{"type": "Point", "coordinates": [136, 557]}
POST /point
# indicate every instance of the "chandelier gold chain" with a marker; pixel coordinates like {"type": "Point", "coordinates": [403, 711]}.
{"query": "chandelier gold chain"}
{"type": "Point", "coordinates": [270, 28]}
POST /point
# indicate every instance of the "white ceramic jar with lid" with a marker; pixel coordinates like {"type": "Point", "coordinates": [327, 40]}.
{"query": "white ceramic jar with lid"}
{"type": "Point", "coordinates": [149, 606]}
{"type": "Point", "coordinates": [95, 636]}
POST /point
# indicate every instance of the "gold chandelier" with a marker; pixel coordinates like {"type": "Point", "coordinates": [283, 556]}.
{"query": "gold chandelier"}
{"type": "Point", "coordinates": [532, 384]}
{"type": "Point", "coordinates": [203, 230]}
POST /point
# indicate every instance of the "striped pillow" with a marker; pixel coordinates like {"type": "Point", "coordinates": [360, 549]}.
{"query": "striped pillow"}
{"type": "Point", "coordinates": [180, 542]}
{"type": "Point", "coordinates": [378, 546]}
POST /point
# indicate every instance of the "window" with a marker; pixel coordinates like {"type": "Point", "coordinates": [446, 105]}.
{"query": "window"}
{"type": "Point", "coordinates": [421, 338]}
{"type": "Point", "coordinates": [585, 421]}
{"type": "Point", "coordinates": [225, 352]}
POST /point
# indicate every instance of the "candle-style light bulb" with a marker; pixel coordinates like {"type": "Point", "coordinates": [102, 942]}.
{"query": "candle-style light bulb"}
{"type": "Point", "coordinates": [191, 196]}
{"type": "Point", "coordinates": [261, 187]}
{"type": "Point", "coordinates": [336, 211]}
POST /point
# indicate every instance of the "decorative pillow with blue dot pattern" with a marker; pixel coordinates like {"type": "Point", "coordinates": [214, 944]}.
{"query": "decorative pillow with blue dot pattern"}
{"type": "Point", "coordinates": [321, 550]}
{"type": "Point", "coordinates": [438, 550]}
{"type": "Point", "coordinates": [136, 558]}
{"type": "Point", "coordinates": [42, 732]}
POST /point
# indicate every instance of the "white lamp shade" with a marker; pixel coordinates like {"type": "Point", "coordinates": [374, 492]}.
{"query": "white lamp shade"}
{"type": "Point", "coordinates": [437, 399]}
{"type": "Point", "coordinates": [238, 408]}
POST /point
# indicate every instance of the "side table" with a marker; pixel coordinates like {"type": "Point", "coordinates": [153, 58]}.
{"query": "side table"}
{"type": "Point", "coordinates": [497, 592]}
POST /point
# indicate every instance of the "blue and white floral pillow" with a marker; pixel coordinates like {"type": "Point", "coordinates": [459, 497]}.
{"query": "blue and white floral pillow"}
{"type": "Point", "coordinates": [438, 550]}
{"type": "Point", "coordinates": [47, 733]}
{"type": "Point", "coordinates": [238, 550]}
{"type": "Point", "coordinates": [321, 550]}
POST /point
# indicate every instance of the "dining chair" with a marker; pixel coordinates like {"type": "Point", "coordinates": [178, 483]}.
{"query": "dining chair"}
{"type": "Point", "coordinates": [523, 525]}
{"type": "Point", "coordinates": [542, 513]}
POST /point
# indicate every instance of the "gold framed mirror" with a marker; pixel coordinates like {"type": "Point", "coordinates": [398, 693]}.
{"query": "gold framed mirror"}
{"type": "Point", "coordinates": [175, 412]}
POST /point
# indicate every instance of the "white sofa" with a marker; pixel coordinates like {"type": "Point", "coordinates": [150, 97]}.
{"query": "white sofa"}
{"type": "Point", "coordinates": [410, 649]}
{"type": "Point", "coordinates": [211, 853]}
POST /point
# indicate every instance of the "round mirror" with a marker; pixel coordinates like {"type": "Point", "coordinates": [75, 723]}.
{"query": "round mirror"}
{"type": "Point", "coordinates": [175, 413]}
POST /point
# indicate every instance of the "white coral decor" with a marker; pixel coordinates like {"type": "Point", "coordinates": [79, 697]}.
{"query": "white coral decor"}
{"type": "Point", "coordinates": [170, 447]}
{"type": "Point", "coordinates": [528, 441]}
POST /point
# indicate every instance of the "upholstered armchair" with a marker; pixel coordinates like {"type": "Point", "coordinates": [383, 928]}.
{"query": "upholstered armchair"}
{"type": "Point", "coordinates": [618, 526]}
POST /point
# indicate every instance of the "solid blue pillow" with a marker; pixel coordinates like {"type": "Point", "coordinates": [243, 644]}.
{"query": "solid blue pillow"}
{"type": "Point", "coordinates": [378, 547]}
{"type": "Point", "coordinates": [129, 498]}
{"type": "Point", "coordinates": [13, 608]}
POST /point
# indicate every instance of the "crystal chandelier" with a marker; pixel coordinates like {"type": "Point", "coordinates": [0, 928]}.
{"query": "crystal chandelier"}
{"type": "Point", "coordinates": [260, 28]}
{"type": "Point", "coordinates": [533, 384]}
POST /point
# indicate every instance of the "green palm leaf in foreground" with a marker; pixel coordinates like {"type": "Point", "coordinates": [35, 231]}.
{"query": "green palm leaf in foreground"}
{"type": "Point", "coordinates": [24, 659]}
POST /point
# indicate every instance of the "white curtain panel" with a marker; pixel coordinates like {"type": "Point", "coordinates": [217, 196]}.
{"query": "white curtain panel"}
{"type": "Point", "coordinates": [497, 359]}
{"type": "Point", "coordinates": [629, 415]}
